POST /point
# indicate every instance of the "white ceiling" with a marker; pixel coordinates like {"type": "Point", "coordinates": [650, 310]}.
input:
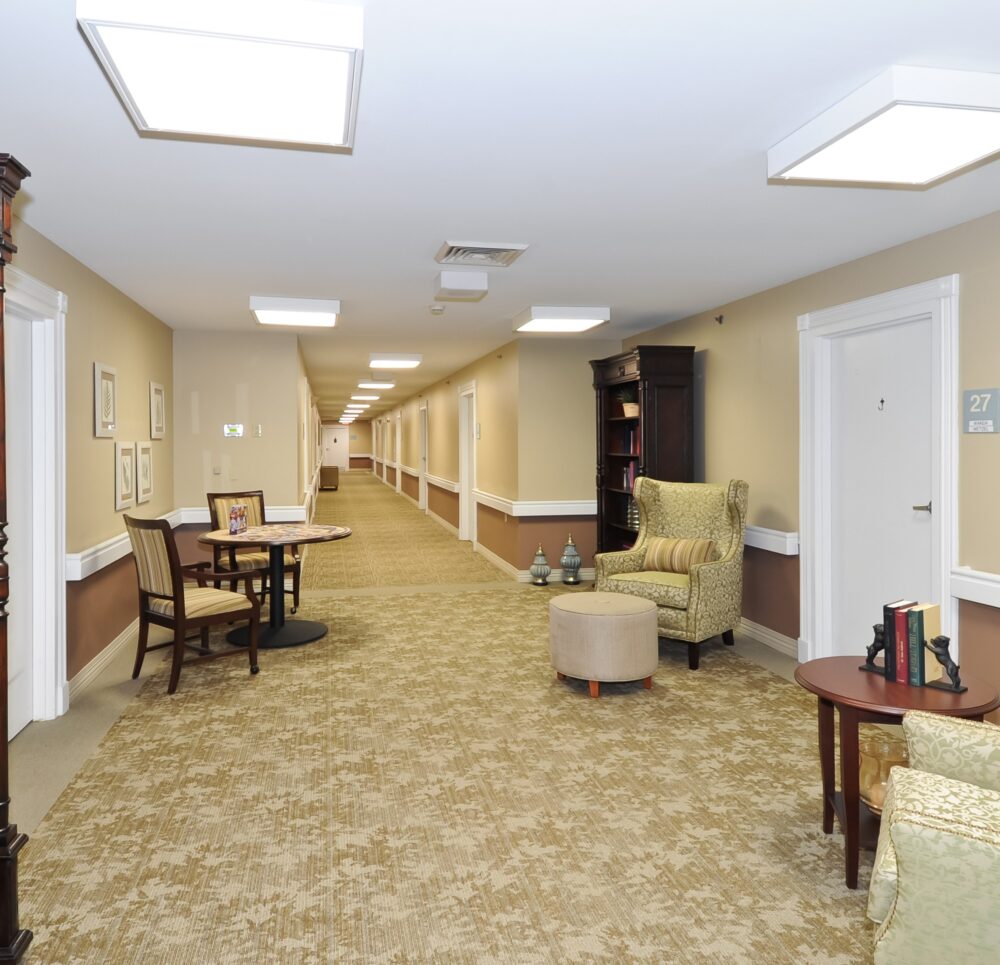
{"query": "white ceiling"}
{"type": "Point", "coordinates": [625, 143]}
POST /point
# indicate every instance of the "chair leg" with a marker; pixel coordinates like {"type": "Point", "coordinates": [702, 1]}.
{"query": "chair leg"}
{"type": "Point", "coordinates": [175, 666]}
{"type": "Point", "coordinates": [140, 651]}
{"type": "Point", "coordinates": [728, 639]}
{"type": "Point", "coordinates": [694, 652]}
{"type": "Point", "coordinates": [204, 640]}
{"type": "Point", "coordinates": [296, 576]}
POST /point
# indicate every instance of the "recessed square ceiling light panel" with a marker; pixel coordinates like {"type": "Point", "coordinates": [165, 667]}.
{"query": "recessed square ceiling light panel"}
{"type": "Point", "coordinates": [388, 360]}
{"type": "Point", "coordinates": [478, 254]}
{"type": "Point", "coordinates": [295, 312]}
{"type": "Point", "coordinates": [552, 319]}
{"type": "Point", "coordinates": [910, 125]}
{"type": "Point", "coordinates": [461, 286]}
{"type": "Point", "coordinates": [373, 384]}
{"type": "Point", "coordinates": [248, 71]}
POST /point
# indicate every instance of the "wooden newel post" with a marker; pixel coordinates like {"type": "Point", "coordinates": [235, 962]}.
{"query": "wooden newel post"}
{"type": "Point", "coordinates": [13, 940]}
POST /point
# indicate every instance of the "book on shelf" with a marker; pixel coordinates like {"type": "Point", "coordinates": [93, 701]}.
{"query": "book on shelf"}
{"type": "Point", "coordinates": [924, 623]}
{"type": "Point", "coordinates": [889, 635]}
{"type": "Point", "coordinates": [902, 636]}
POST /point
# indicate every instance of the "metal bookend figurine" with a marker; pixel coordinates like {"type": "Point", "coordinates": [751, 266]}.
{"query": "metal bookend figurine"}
{"type": "Point", "coordinates": [939, 647]}
{"type": "Point", "coordinates": [874, 649]}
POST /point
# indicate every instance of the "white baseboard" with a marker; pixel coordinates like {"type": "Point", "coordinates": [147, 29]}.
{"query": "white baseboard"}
{"type": "Point", "coordinates": [99, 664]}
{"type": "Point", "coordinates": [770, 638]}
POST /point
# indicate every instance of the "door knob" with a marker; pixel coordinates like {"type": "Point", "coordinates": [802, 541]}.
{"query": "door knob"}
{"type": "Point", "coordinates": [923, 509]}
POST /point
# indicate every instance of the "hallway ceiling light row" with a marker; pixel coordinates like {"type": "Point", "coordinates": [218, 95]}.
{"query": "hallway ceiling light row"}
{"type": "Point", "coordinates": [295, 312]}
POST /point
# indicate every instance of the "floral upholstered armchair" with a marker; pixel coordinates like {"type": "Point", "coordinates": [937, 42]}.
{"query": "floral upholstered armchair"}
{"type": "Point", "coordinates": [687, 559]}
{"type": "Point", "coordinates": [936, 877]}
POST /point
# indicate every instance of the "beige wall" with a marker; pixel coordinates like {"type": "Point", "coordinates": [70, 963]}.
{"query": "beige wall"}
{"type": "Point", "coordinates": [556, 425]}
{"type": "Point", "coordinates": [103, 325]}
{"type": "Point", "coordinates": [360, 438]}
{"type": "Point", "coordinates": [219, 379]}
{"type": "Point", "coordinates": [750, 366]}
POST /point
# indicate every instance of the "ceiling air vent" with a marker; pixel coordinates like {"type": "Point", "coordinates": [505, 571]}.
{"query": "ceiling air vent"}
{"type": "Point", "coordinates": [477, 254]}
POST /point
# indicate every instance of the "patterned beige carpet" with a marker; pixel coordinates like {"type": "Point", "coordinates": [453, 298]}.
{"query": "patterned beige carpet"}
{"type": "Point", "coordinates": [418, 787]}
{"type": "Point", "coordinates": [393, 544]}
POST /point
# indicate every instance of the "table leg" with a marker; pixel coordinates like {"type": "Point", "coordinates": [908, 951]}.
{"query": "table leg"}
{"type": "Point", "coordinates": [849, 788]}
{"type": "Point", "coordinates": [276, 590]}
{"type": "Point", "coordinates": [825, 714]}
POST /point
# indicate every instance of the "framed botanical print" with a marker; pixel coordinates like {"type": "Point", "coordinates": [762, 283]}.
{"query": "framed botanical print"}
{"type": "Point", "coordinates": [157, 411]}
{"type": "Point", "coordinates": [105, 400]}
{"type": "Point", "coordinates": [124, 474]}
{"type": "Point", "coordinates": [144, 472]}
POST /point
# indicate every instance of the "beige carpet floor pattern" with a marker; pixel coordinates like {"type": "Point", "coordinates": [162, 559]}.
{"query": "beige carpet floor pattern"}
{"type": "Point", "coordinates": [418, 787]}
{"type": "Point", "coordinates": [393, 543]}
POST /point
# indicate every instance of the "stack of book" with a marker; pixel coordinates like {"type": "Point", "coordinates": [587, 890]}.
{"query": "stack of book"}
{"type": "Point", "coordinates": [908, 626]}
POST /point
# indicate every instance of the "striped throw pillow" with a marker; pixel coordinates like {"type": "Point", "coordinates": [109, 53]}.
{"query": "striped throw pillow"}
{"type": "Point", "coordinates": [672, 555]}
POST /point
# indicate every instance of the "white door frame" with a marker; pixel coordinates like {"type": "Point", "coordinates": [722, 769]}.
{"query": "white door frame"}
{"type": "Point", "coordinates": [30, 301]}
{"type": "Point", "coordinates": [938, 301]}
{"type": "Point", "coordinates": [399, 451]}
{"type": "Point", "coordinates": [467, 461]}
{"type": "Point", "coordinates": [422, 465]}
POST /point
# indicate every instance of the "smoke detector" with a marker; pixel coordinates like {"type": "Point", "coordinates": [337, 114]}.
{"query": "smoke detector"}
{"type": "Point", "coordinates": [478, 254]}
{"type": "Point", "coordinates": [461, 286]}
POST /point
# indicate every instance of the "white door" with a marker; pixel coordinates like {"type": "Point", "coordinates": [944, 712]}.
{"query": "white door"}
{"type": "Point", "coordinates": [18, 368]}
{"type": "Point", "coordinates": [336, 446]}
{"type": "Point", "coordinates": [883, 428]}
{"type": "Point", "coordinates": [878, 462]}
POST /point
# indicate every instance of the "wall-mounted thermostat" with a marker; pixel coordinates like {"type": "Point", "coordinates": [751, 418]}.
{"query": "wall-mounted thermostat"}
{"type": "Point", "coordinates": [233, 430]}
{"type": "Point", "coordinates": [981, 412]}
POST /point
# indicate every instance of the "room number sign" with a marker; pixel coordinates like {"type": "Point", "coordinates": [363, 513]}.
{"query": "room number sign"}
{"type": "Point", "coordinates": [982, 410]}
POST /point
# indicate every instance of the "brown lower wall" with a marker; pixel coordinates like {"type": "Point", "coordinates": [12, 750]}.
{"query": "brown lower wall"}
{"type": "Point", "coordinates": [443, 503]}
{"type": "Point", "coordinates": [771, 590]}
{"type": "Point", "coordinates": [515, 539]}
{"type": "Point", "coordinates": [359, 462]}
{"type": "Point", "coordinates": [409, 484]}
{"type": "Point", "coordinates": [97, 610]}
{"type": "Point", "coordinates": [980, 645]}
{"type": "Point", "coordinates": [390, 476]}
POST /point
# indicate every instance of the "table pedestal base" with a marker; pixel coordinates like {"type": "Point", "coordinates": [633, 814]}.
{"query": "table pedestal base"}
{"type": "Point", "coordinates": [292, 633]}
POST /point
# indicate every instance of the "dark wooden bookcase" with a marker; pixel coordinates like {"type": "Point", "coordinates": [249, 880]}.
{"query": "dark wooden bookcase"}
{"type": "Point", "coordinates": [658, 441]}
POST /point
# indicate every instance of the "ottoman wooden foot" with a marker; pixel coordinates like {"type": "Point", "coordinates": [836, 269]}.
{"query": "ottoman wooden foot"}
{"type": "Point", "coordinates": [560, 675]}
{"type": "Point", "coordinates": [595, 688]}
{"type": "Point", "coordinates": [648, 683]}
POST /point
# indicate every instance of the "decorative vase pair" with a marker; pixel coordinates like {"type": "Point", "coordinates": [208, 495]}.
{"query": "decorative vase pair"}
{"type": "Point", "coordinates": [569, 561]}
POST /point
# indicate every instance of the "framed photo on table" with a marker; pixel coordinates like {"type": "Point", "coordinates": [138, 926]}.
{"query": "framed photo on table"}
{"type": "Point", "coordinates": [157, 411]}
{"type": "Point", "coordinates": [124, 474]}
{"type": "Point", "coordinates": [105, 400]}
{"type": "Point", "coordinates": [144, 472]}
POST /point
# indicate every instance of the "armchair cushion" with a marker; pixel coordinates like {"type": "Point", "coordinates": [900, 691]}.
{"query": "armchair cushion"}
{"type": "Point", "coordinates": [676, 555]}
{"type": "Point", "coordinates": [200, 601]}
{"type": "Point", "coordinates": [663, 588]}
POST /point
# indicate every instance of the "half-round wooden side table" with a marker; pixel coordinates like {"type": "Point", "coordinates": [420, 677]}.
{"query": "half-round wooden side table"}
{"type": "Point", "coordinates": [868, 697]}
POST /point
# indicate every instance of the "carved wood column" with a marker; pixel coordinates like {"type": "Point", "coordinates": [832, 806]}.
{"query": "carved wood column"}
{"type": "Point", "coordinates": [13, 940]}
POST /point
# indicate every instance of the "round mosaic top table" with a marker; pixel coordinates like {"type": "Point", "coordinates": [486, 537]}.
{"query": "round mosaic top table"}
{"type": "Point", "coordinates": [276, 536]}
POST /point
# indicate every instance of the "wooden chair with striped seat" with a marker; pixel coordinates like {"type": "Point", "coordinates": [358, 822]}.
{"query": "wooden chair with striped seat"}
{"type": "Point", "coordinates": [251, 558]}
{"type": "Point", "coordinates": [166, 600]}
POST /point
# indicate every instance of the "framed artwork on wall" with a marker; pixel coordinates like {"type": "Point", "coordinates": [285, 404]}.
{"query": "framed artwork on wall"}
{"type": "Point", "coordinates": [105, 400]}
{"type": "Point", "coordinates": [144, 472]}
{"type": "Point", "coordinates": [157, 411]}
{"type": "Point", "coordinates": [124, 474]}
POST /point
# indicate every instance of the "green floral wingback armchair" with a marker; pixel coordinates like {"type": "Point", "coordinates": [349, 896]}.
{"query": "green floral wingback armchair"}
{"type": "Point", "coordinates": [687, 559]}
{"type": "Point", "coordinates": [936, 880]}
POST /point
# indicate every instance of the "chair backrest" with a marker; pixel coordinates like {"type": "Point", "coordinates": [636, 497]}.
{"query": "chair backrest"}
{"type": "Point", "coordinates": [219, 505]}
{"type": "Point", "coordinates": [157, 564]}
{"type": "Point", "coordinates": [691, 510]}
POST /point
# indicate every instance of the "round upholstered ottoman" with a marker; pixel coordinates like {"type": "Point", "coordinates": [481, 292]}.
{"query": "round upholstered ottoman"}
{"type": "Point", "coordinates": [603, 637]}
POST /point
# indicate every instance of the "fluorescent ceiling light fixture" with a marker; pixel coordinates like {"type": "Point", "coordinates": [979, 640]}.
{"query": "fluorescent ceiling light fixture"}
{"type": "Point", "coordinates": [357, 406]}
{"type": "Point", "coordinates": [910, 125]}
{"type": "Point", "coordinates": [372, 384]}
{"type": "Point", "coordinates": [394, 361]}
{"type": "Point", "coordinates": [232, 70]}
{"type": "Point", "coordinates": [296, 312]}
{"type": "Point", "coordinates": [364, 398]}
{"type": "Point", "coordinates": [547, 318]}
